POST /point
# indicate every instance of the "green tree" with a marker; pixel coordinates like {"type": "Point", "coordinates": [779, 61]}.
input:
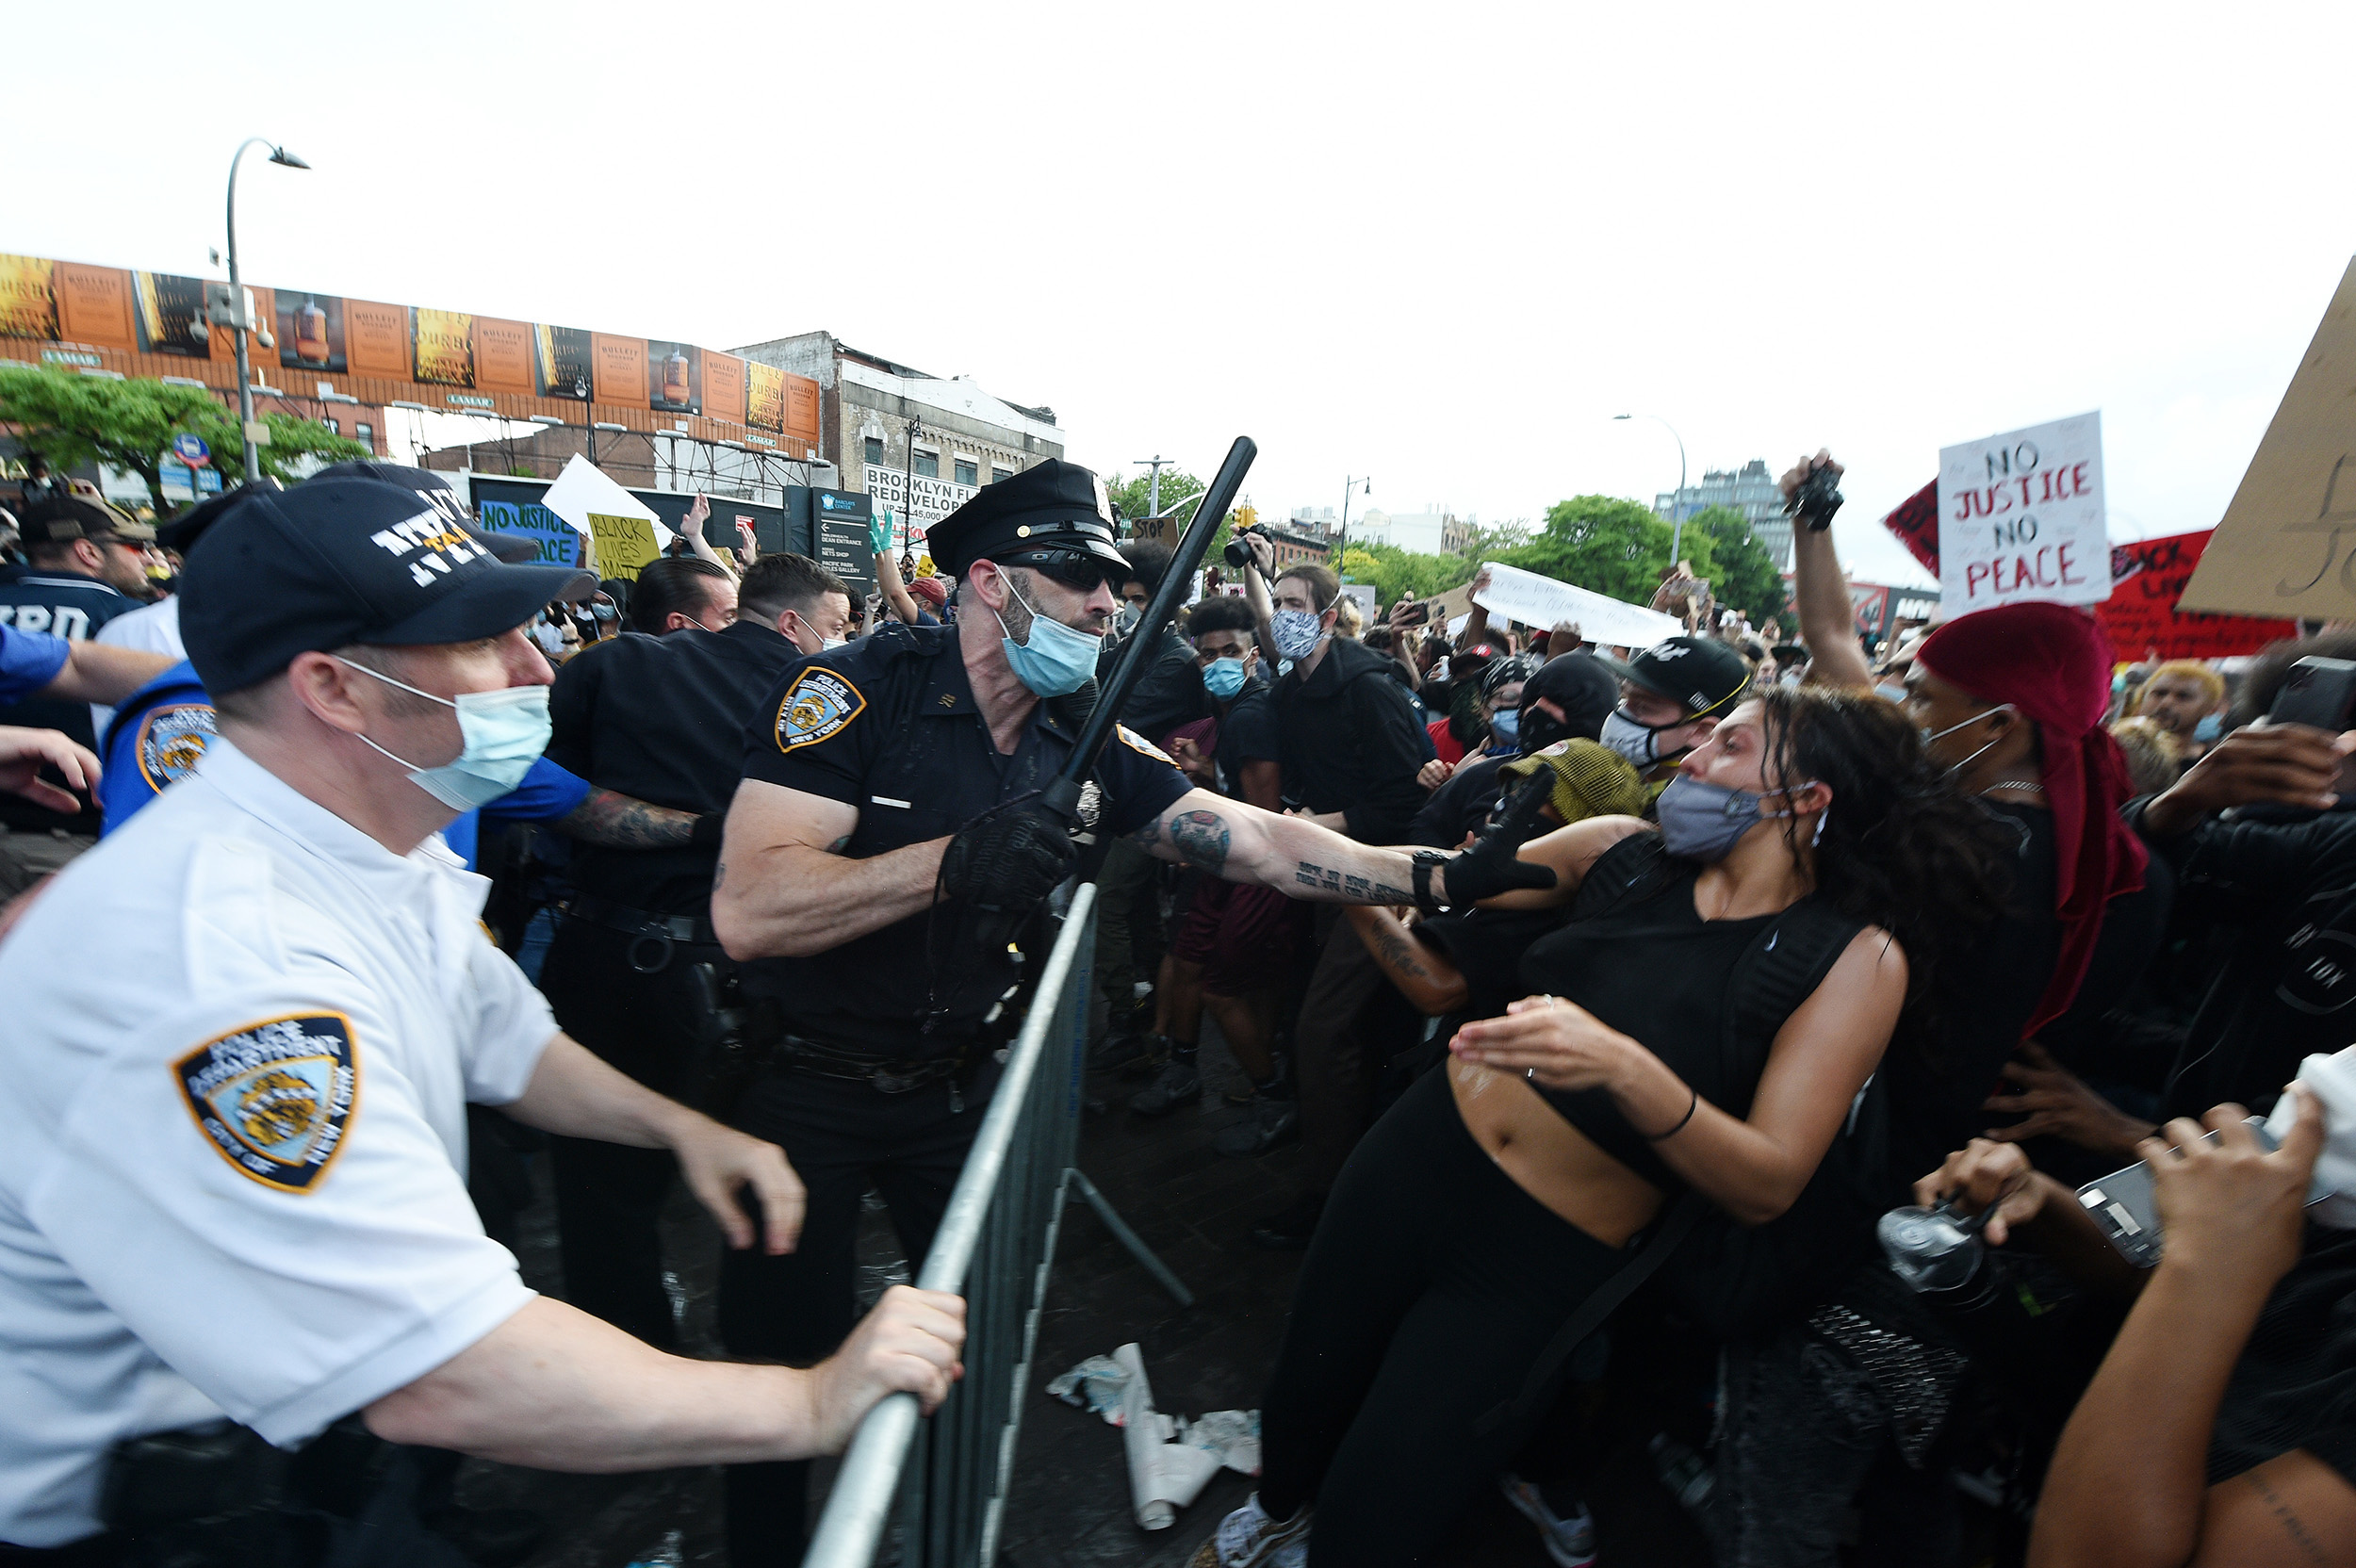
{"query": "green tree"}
{"type": "Point", "coordinates": [1608, 545]}
{"type": "Point", "coordinates": [73, 419]}
{"type": "Point", "coordinates": [1487, 544]}
{"type": "Point", "coordinates": [1742, 575]}
{"type": "Point", "coordinates": [1393, 571]}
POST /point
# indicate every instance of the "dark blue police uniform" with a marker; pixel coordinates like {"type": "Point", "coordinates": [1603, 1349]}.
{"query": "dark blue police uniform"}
{"type": "Point", "coordinates": [156, 738]}
{"type": "Point", "coordinates": [862, 1092]}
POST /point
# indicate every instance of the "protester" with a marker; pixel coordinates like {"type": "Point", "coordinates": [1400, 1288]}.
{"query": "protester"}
{"type": "Point", "coordinates": [1672, 696]}
{"type": "Point", "coordinates": [680, 592]}
{"type": "Point", "coordinates": [1494, 1199]}
{"type": "Point", "coordinates": [2187, 698]}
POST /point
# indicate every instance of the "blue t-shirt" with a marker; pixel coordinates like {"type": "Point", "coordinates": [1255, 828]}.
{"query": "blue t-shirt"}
{"type": "Point", "coordinates": [156, 738]}
{"type": "Point", "coordinates": [546, 793]}
{"type": "Point", "coordinates": [28, 661]}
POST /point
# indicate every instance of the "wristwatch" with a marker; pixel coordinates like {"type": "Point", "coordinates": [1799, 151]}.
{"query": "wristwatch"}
{"type": "Point", "coordinates": [1424, 861]}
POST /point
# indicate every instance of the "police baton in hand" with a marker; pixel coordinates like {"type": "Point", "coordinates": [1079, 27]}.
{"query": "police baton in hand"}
{"type": "Point", "coordinates": [1059, 802]}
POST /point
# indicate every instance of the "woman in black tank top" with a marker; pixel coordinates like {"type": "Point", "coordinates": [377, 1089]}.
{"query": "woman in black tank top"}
{"type": "Point", "coordinates": [1444, 1263]}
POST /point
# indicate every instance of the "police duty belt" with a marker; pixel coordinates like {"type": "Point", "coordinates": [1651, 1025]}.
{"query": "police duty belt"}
{"type": "Point", "coordinates": [657, 934]}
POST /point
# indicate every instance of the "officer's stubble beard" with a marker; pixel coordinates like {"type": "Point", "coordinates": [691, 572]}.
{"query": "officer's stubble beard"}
{"type": "Point", "coordinates": [1034, 588]}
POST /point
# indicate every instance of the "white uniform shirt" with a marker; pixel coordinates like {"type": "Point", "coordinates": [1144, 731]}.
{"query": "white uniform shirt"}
{"type": "Point", "coordinates": [149, 628]}
{"type": "Point", "coordinates": [240, 1040]}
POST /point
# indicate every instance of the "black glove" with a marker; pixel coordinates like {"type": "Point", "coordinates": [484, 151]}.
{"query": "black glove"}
{"type": "Point", "coordinates": [709, 830]}
{"type": "Point", "coordinates": [1488, 868]}
{"type": "Point", "coordinates": [1009, 858]}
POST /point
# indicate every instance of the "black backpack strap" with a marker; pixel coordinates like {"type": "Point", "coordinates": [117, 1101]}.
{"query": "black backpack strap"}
{"type": "Point", "coordinates": [1635, 868]}
{"type": "Point", "coordinates": [1601, 1303]}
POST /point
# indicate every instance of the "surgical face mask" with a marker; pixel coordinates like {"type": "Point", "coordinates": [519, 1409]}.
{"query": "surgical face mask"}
{"type": "Point", "coordinates": [1298, 633]}
{"type": "Point", "coordinates": [827, 645]}
{"type": "Point", "coordinates": [506, 732]}
{"type": "Point", "coordinates": [1639, 743]}
{"type": "Point", "coordinates": [602, 612]}
{"type": "Point", "coordinates": [1127, 620]}
{"type": "Point", "coordinates": [1702, 822]}
{"type": "Point", "coordinates": [1054, 658]}
{"type": "Point", "coordinates": [1223, 677]}
{"type": "Point", "coordinates": [1929, 738]}
{"type": "Point", "coordinates": [1505, 728]}
{"type": "Point", "coordinates": [2209, 728]}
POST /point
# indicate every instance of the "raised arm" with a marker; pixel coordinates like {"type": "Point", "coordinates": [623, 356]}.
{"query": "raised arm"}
{"type": "Point", "coordinates": [692, 529]}
{"type": "Point", "coordinates": [895, 592]}
{"type": "Point", "coordinates": [1821, 595]}
{"type": "Point", "coordinates": [103, 674]}
{"type": "Point", "coordinates": [784, 889]}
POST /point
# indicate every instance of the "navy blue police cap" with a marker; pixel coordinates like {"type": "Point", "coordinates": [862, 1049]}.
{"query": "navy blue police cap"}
{"type": "Point", "coordinates": [334, 562]}
{"type": "Point", "coordinates": [1054, 511]}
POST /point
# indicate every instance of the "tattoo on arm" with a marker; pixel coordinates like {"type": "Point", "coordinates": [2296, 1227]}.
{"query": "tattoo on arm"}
{"type": "Point", "coordinates": [624, 822]}
{"type": "Point", "coordinates": [2309, 1548]}
{"type": "Point", "coordinates": [1147, 836]}
{"type": "Point", "coordinates": [840, 845]}
{"type": "Point", "coordinates": [1201, 839]}
{"type": "Point", "coordinates": [1395, 951]}
{"type": "Point", "coordinates": [1348, 887]}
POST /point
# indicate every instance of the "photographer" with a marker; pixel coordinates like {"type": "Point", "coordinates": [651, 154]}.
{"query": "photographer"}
{"type": "Point", "coordinates": [2215, 1430]}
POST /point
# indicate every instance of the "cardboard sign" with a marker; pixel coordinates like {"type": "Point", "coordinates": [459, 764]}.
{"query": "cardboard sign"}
{"type": "Point", "coordinates": [2288, 544]}
{"type": "Point", "coordinates": [1915, 522]}
{"type": "Point", "coordinates": [625, 546]}
{"type": "Point", "coordinates": [626, 531]}
{"type": "Point", "coordinates": [1541, 602]}
{"type": "Point", "coordinates": [2142, 617]}
{"type": "Point", "coordinates": [2021, 518]}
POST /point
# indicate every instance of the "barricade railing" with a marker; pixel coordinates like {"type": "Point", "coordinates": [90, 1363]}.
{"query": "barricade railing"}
{"type": "Point", "coordinates": [944, 1480]}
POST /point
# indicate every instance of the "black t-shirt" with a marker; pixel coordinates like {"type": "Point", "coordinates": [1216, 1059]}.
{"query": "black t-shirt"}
{"type": "Point", "coordinates": [1247, 734]}
{"type": "Point", "coordinates": [1658, 972]}
{"type": "Point", "coordinates": [1168, 692]}
{"type": "Point", "coordinates": [2295, 1385]}
{"type": "Point", "coordinates": [1460, 805]}
{"type": "Point", "coordinates": [889, 727]}
{"type": "Point", "coordinates": [74, 606]}
{"type": "Point", "coordinates": [662, 718]}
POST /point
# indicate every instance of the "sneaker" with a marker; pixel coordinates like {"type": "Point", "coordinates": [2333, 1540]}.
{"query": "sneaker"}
{"type": "Point", "coordinates": [1179, 1085]}
{"type": "Point", "coordinates": [1247, 1538]}
{"type": "Point", "coordinates": [1288, 1229]}
{"type": "Point", "coordinates": [1126, 1052]}
{"type": "Point", "coordinates": [1265, 1123]}
{"type": "Point", "coordinates": [1570, 1541]}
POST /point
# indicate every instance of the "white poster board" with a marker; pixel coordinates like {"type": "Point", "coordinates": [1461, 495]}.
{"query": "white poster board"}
{"type": "Point", "coordinates": [2021, 518]}
{"type": "Point", "coordinates": [1542, 602]}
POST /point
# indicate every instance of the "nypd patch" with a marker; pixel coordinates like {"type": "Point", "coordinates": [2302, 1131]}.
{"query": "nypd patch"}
{"type": "Point", "coordinates": [274, 1097]}
{"type": "Point", "coordinates": [173, 742]}
{"type": "Point", "coordinates": [816, 707]}
{"type": "Point", "coordinates": [1135, 741]}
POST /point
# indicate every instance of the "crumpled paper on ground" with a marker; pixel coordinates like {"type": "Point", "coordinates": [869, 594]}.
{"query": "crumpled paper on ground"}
{"type": "Point", "coordinates": [2332, 1079]}
{"type": "Point", "coordinates": [1170, 1459]}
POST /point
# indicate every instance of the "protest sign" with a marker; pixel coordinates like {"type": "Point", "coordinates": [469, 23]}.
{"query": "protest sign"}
{"type": "Point", "coordinates": [626, 531]}
{"type": "Point", "coordinates": [2021, 518]}
{"type": "Point", "coordinates": [2143, 620]}
{"type": "Point", "coordinates": [1542, 602]}
{"type": "Point", "coordinates": [560, 543]}
{"type": "Point", "coordinates": [1916, 523]}
{"type": "Point", "coordinates": [2286, 544]}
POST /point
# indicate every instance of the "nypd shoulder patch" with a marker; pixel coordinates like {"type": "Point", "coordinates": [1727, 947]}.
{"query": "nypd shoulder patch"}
{"type": "Point", "coordinates": [172, 741]}
{"type": "Point", "coordinates": [1135, 741]}
{"type": "Point", "coordinates": [817, 707]}
{"type": "Point", "coordinates": [274, 1097]}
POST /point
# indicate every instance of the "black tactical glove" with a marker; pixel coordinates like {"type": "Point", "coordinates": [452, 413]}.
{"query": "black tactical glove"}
{"type": "Point", "coordinates": [1488, 868]}
{"type": "Point", "coordinates": [1009, 858]}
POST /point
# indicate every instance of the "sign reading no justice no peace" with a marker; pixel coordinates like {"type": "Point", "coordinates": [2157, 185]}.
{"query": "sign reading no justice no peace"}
{"type": "Point", "coordinates": [2021, 518]}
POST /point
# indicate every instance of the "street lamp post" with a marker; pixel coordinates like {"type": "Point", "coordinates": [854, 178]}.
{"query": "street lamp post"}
{"type": "Point", "coordinates": [1677, 506]}
{"type": "Point", "coordinates": [907, 494]}
{"type": "Point", "coordinates": [1349, 484]}
{"type": "Point", "coordinates": [237, 303]}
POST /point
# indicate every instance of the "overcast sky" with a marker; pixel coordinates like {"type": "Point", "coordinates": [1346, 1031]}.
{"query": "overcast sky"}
{"type": "Point", "coordinates": [1438, 245]}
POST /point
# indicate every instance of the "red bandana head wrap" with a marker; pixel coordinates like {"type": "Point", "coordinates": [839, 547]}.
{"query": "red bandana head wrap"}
{"type": "Point", "coordinates": [2052, 664]}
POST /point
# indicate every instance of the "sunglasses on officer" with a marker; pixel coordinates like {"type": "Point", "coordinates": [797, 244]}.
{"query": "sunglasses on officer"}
{"type": "Point", "coordinates": [1079, 570]}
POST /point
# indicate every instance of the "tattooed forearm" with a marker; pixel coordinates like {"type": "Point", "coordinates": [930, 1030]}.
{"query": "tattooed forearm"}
{"type": "Point", "coordinates": [1201, 839]}
{"type": "Point", "coordinates": [623, 821]}
{"type": "Point", "coordinates": [1348, 887]}
{"type": "Point", "coordinates": [1147, 836]}
{"type": "Point", "coordinates": [2301, 1538]}
{"type": "Point", "coordinates": [1395, 951]}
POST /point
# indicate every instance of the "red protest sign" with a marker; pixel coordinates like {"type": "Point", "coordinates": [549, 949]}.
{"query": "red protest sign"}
{"type": "Point", "coordinates": [2140, 617]}
{"type": "Point", "coordinates": [1915, 524]}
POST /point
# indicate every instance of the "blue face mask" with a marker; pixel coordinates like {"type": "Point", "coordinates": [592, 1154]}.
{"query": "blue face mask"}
{"type": "Point", "coordinates": [2209, 728]}
{"type": "Point", "coordinates": [1054, 658]}
{"type": "Point", "coordinates": [505, 731]}
{"type": "Point", "coordinates": [1505, 728]}
{"type": "Point", "coordinates": [1223, 677]}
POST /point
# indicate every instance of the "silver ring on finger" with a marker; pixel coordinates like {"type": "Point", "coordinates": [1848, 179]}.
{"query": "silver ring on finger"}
{"type": "Point", "coordinates": [1530, 1073]}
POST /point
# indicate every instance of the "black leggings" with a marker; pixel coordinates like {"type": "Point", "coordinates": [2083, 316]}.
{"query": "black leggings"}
{"type": "Point", "coordinates": [1431, 1289]}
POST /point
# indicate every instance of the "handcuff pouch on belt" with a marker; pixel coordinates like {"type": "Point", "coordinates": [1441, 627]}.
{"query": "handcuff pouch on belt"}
{"type": "Point", "coordinates": [653, 936]}
{"type": "Point", "coordinates": [737, 1036]}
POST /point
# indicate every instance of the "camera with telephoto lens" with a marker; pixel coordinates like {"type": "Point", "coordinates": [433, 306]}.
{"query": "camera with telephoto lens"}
{"type": "Point", "coordinates": [1238, 554]}
{"type": "Point", "coordinates": [1818, 499]}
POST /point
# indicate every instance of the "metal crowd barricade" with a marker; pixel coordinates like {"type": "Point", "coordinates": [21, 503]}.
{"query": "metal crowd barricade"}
{"type": "Point", "coordinates": [948, 1477]}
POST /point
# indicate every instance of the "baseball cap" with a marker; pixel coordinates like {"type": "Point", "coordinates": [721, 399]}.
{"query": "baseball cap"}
{"type": "Point", "coordinates": [62, 518]}
{"type": "Point", "coordinates": [931, 590]}
{"type": "Point", "coordinates": [339, 560]}
{"type": "Point", "coordinates": [442, 496]}
{"type": "Point", "coordinates": [1700, 673]}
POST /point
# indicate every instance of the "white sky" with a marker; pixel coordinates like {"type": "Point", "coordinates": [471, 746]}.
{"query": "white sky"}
{"type": "Point", "coordinates": [1439, 245]}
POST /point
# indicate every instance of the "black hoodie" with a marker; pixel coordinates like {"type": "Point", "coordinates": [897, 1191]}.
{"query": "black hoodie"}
{"type": "Point", "coordinates": [1348, 742]}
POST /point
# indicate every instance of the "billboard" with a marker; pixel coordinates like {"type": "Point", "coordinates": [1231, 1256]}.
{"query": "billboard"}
{"type": "Point", "coordinates": [411, 353]}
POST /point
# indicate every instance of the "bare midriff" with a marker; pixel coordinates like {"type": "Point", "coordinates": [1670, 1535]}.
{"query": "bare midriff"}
{"type": "Point", "coordinates": [1549, 1158]}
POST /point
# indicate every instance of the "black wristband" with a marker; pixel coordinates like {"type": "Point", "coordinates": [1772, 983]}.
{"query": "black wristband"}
{"type": "Point", "coordinates": [1425, 861]}
{"type": "Point", "coordinates": [1691, 1106]}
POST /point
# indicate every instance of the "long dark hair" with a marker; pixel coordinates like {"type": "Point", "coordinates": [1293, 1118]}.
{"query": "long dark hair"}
{"type": "Point", "coordinates": [1900, 847]}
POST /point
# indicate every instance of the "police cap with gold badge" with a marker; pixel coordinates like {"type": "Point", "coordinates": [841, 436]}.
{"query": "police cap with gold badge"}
{"type": "Point", "coordinates": [1054, 517]}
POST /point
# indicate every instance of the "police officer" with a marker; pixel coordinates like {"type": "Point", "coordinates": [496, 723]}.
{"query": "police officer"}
{"type": "Point", "coordinates": [35, 664]}
{"type": "Point", "coordinates": [232, 1185]}
{"type": "Point", "coordinates": [87, 567]}
{"type": "Point", "coordinates": [660, 718]}
{"type": "Point", "coordinates": [879, 773]}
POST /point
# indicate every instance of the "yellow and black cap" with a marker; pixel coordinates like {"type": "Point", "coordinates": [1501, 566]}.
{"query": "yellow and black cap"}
{"type": "Point", "coordinates": [1054, 517]}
